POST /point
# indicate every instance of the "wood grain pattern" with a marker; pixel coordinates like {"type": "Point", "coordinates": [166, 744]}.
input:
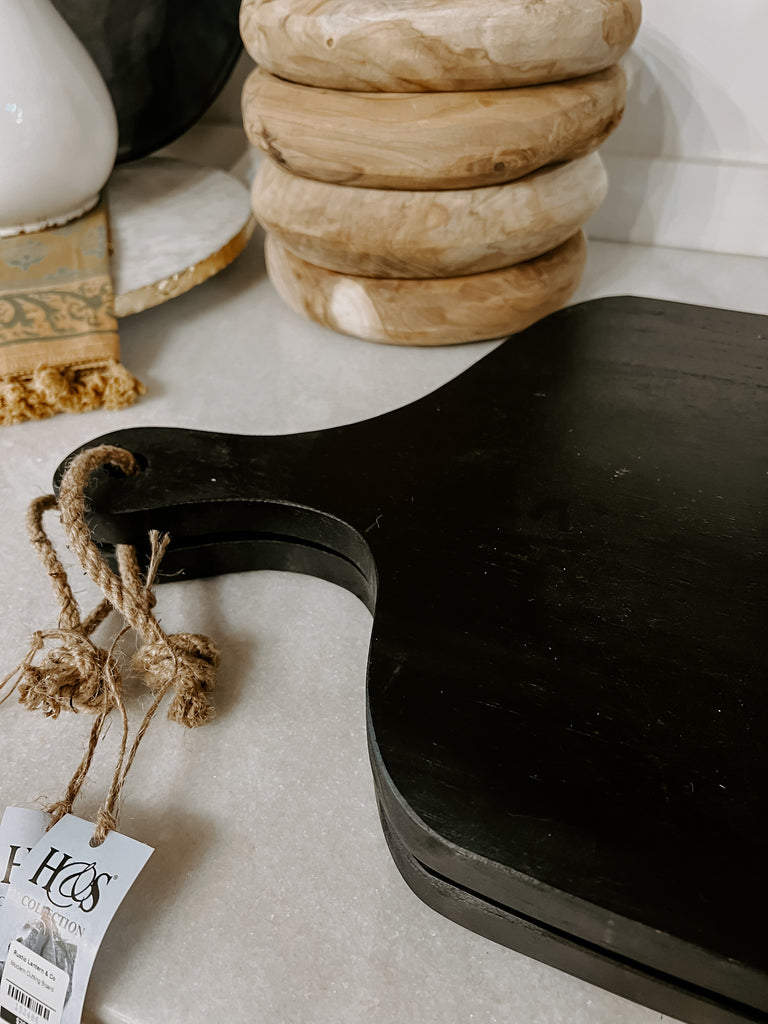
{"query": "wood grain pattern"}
{"type": "Point", "coordinates": [430, 140]}
{"type": "Point", "coordinates": [436, 45]}
{"type": "Point", "coordinates": [435, 312]}
{"type": "Point", "coordinates": [447, 233]}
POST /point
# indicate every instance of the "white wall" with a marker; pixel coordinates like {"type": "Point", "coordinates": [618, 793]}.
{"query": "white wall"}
{"type": "Point", "coordinates": [689, 163]}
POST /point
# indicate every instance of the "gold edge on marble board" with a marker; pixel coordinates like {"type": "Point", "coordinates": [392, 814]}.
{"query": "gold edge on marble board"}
{"type": "Point", "coordinates": [157, 292]}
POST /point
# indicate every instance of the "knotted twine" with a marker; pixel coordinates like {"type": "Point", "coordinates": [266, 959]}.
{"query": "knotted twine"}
{"type": "Point", "coordinates": [65, 670]}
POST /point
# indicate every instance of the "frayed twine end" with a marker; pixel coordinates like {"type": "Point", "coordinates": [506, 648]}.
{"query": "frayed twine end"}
{"type": "Point", "coordinates": [52, 390]}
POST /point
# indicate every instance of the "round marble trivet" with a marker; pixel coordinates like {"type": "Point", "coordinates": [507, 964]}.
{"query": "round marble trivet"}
{"type": "Point", "coordinates": [174, 224]}
{"type": "Point", "coordinates": [447, 233]}
{"type": "Point", "coordinates": [441, 311]}
{"type": "Point", "coordinates": [441, 45]}
{"type": "Point", "coordinates": [429, 140]}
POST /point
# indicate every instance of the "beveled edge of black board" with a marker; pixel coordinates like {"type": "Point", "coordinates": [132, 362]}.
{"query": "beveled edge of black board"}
{"type": "Point", "coordinates": [446, 877]}
{"type": "Point", "coordinates": [531, 938]}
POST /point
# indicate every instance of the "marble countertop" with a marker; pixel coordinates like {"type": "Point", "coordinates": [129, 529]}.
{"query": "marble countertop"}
{"type": "Point", "coordinates": [271, 895]}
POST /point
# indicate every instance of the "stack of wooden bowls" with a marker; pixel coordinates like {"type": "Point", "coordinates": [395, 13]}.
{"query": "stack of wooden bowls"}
{"type": "Point", "coordinates": [431, 163]}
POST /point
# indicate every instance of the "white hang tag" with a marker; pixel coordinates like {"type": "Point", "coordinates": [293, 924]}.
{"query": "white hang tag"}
{"type": "Point", "coordinates": [57, 909]}
{"type": "Point", "coordinates": [20, 829]}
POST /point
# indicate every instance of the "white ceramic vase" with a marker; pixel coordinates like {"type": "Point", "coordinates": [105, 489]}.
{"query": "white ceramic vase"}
{"type": "Point", "coordinates": [58, 129]}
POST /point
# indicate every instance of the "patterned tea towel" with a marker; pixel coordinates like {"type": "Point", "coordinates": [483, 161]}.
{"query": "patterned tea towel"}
{"type": "Point", "coordinates": [59, 346]}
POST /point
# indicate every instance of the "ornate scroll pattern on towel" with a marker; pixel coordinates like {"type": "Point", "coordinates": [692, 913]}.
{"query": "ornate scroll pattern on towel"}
{"type": "Point", "coordinates": [59, 345]}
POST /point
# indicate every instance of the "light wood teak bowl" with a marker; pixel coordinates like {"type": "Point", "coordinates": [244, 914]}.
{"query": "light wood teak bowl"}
{"type": "Point", "coordinates": [390, 233]}
{"type": "Point", "coordinates": [174, 224]}
{"type": "Point", "coordinates": [436, 45]}
{"type": "Point", "coordinates": [430, 140]}
{"type": "Point", "coordinates": [436, 312]}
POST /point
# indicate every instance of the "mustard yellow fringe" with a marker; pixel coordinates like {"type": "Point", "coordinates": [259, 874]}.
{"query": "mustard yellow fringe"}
{"type": "Point", "coordinates": [51, 390]}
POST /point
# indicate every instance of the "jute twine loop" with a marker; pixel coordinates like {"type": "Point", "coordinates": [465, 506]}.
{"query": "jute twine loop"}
{"type": "Point", "coordinates": [112, 698]}
{"type": "Point", "coordinates": [74, 674]}
{"type": "Point", "coordinates": [69, 611]}
{"type": "Point", "coordinates": [70, 675]}
{"type": "Point", "coordinates": [187, 661]}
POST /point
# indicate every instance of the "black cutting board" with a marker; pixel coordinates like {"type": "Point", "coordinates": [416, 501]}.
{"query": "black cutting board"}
{"type": "Point", "coordinates": [164, 61]}
{"type": "Point", "coordinates": [564, 550]}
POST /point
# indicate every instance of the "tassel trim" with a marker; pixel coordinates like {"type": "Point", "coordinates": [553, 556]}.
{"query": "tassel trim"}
{"type": "Point", "coordinates": [51, 390]}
